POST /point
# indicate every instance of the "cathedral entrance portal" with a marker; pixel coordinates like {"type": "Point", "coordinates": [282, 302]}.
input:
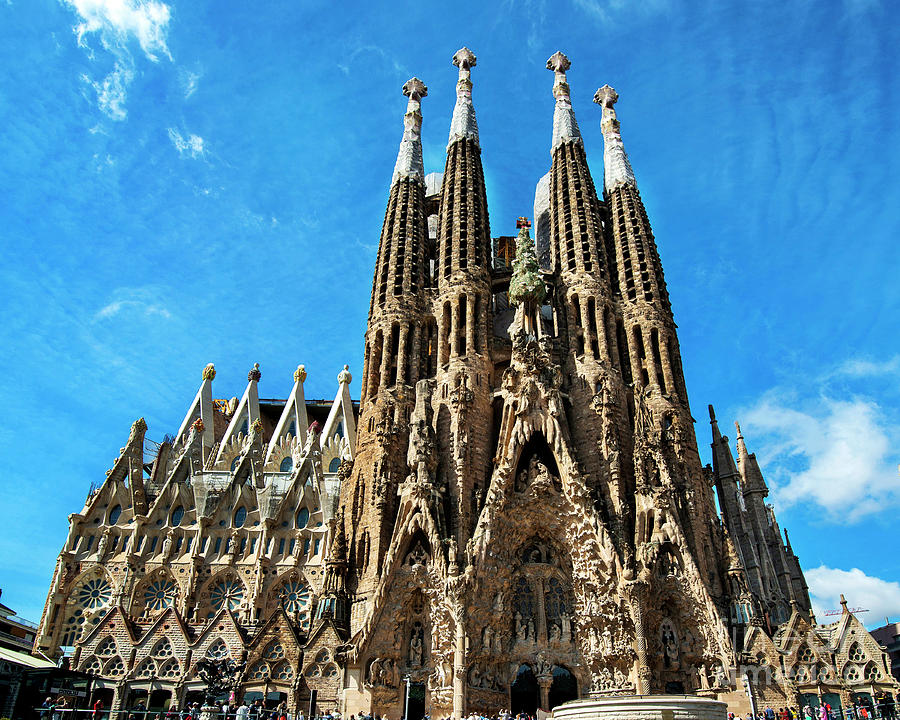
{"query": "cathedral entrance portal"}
{"type": "Point", "coordinates": [415, 701]}
{"type": "Point", "coordinates": [523, 695]}
{"type": "Point", "coordinates": [564, 687]}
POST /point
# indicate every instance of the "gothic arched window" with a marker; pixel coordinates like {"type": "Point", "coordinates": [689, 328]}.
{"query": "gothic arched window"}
{"type": "Point", "coordinates": [240, 516]}
{"type": "Point", "coordinates": [218, 650]}
{"type": "Point", "coordinates": [177, 516]}
{"type": "Point", "coordinates": [115, 514]}
{"type": "Point", "coordinates": [228, 592]}
{"type": "Point", "coordinates": [856, 653]}
{"type": "Point", "coordinates": [287, 464]}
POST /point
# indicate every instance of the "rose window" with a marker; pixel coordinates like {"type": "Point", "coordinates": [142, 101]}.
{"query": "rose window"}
{"type": "Point", "coordinates": [851, 673]}
{"type": "Point", "coordinates": [294, 596]}
{"type": "Point", "coordinates": [95, 594]}
{"type": "Point", "coordinates": [805, 655]}
{"type": "Point", "coordinates": [226, 593]}
{"type": "Point", "coordinates": [160, 595]}
{"type": "Point", "coordinates": [871, 673]}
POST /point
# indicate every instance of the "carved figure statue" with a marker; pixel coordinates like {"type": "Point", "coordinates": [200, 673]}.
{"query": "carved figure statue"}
{"type": "Point", "coordinates": [101, 546]}
{"type": "Point", "coordinates": [416, 645]}
{"type": "Point", "coordinates": [555, 633]}
{"type": "Point", "coordinates": [566, 628]}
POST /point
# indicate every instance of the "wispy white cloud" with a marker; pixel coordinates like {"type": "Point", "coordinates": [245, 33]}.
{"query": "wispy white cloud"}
{"type": "Point", "coordinates": [190, 81]}
{"type": "Point", "coordinates": [191, 145]}
{"type": "Point", "coordinates": [138, 301]}
{"type": "Point", "coordinates": [383, 56]}
{"type": "Point", "coordinates": [838, 454]}
{"type": "Point", "coordinates": [116, 23]}
{"type": "Point", "coordinates": [870, 368]}
{"type": "Point", "coordinates": [880, 597]}
{"type": "Point", "coordinates": [609, 11]}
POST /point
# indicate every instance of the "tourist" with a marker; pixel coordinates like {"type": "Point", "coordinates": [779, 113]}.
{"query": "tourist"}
{"type": "Point", "coordinates": [823, 712]}
{"type": "Point", "coordinates": [243, 712]}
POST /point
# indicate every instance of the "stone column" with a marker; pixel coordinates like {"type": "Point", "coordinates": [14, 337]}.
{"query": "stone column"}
{"type": "Point", "coordinates": [586, 324]}
{"type": "Point", "coordinates": [415, 355]}
{"type": "Point", "coordinates": [459, 661]}
{"type": "Point", "coordinates": [402, 354]}
{"type": "Point", "coordinates": [635, 592]}
{"type": "Point", "coordinates": [454, 328]}
{"type": "Point", "coordinates": [544, 683]}
{"type": "Point", "coordinates": [636, 365]}
{"type": "Point", "coordinates": [470, 324]}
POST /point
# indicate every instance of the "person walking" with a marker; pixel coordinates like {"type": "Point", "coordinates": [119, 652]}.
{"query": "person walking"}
{"type": "Point", "coordinates": [243, 711]}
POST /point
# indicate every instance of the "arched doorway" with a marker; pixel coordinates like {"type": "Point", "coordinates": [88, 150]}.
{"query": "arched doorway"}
{"type": "Point", "coordinates": [564, 687]}
{"type": "Point", "coordinates": [523, 695]}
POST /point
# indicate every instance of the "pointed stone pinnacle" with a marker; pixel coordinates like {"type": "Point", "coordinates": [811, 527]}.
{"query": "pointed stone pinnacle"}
{"type": "Point", "coordinates": [415, 89]}
{"type": "Point", "coordinates": [606, 96]}
{"type": "Point", "coordinates": [464, 58]}
{"type": "Point", "coordinates": [558, 62]}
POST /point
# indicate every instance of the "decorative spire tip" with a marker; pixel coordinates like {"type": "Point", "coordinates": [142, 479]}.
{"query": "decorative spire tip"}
{"type": "Point", "coordinates": [606, 96]}
{"type": "Point", "coordinates": [464, 58]}
{"type": "Point", "coordinates": [558, 62]}
{"type": "Point", "coordinates": [415, 89]}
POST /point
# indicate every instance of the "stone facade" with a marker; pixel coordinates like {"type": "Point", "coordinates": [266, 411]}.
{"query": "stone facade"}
{"type": "Point", "coordinates": [522, 516]}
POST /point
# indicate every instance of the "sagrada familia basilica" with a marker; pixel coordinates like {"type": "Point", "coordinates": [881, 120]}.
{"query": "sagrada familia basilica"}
{"type": "Point", "coordinates": [513, 514]}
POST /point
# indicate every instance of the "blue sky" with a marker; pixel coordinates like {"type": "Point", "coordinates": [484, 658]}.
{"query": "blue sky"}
{"type": "Point", "coordinates": [192, 182]}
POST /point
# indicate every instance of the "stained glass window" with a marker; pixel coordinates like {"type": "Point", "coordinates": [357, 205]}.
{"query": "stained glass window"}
{"type": "Point", "coordinates": [218, 650]}
{"type": "Point", "coordinates": [228, 591]}
{"type": "Point", "coordinates": [283, 671]}
{"type": "Point", "coordinates": [160, 594]}
{"type": "Point", "coordinates": [302, 518]}
{"type": "Point", "coordinates": [106, 648]}
{"type": "Point", "coordinates": [163, 649]}
{"type": "Point", "coordinates": [170, 669]}
{"type": "Point", "coordinates": [95, 593]}
{"type": "Point", "coordinates": [240, 515]}
{"type": "Point", "coordinates": [115, 514]}
{"type": "Point", "coordinates": [177, 516]}
{"type": "Point", "coordinates": [275, 651]}
{"type": "Point", "coordinates": [287, 464]}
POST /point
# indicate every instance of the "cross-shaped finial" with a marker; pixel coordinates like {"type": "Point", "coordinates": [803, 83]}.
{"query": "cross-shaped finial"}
{"type": "Point", "coordinates": [558, 62]}
{"type": "Point", "coordinates": [606, 96]}
{"type": "Point", "coordinates": [464, 58]}
{"type": "Point", "coordinates": [415, 89]}
{"type": "Point", "coordinates": [523, 222]}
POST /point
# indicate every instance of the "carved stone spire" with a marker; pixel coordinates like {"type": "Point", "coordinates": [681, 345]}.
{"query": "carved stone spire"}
{"type": "Point", "coordinates": [616, 168]}
{"type": "Point", "coordinates": [409, 158]}
{"type": "Point", "coordinates": [464, 124]}
{"type": "Point", "coordinates": [526, 286]}
{"type": "Point", "coordinates": [565, 127]}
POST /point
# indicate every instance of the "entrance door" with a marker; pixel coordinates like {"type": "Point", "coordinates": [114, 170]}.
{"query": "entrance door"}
{"type": "Point", "coordinates": [415, 701]}
{"type": "Point", "coordinates": [564, 687]}
{"type": "Point", "coordinates": [524, 695]}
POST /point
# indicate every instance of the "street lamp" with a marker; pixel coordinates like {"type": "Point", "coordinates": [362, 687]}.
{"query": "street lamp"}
{"type": "Point", "coordinates": [406, 679]}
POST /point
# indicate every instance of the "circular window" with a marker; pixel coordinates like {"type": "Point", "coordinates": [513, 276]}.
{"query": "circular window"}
{"type": "Point", "coordinates": [177, 516]}
{"type": "Point", "coordinates": [160, 595]}
{"type": "Point", "coordinates": [287, 464]}
{"type": "Point", "coordinates": [229, 592]}
{"type": "Point", "coordinates": [240, 516]}
{"type": "Point", "coordinates": [95, 593]}
{"type": "Point", "coordinates": [294, 596]}
{"type": "Point", "coordinates": [115, 514]}
{"type": "Point", "coordinates": [302, 518]}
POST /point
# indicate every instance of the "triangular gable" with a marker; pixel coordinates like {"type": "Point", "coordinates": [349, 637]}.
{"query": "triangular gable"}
{"type": "Point", "coordinates": [154, 634]}
{"type": "Point", "coordinates": [294, 413]}
{"type": "Point", "coordinates": [247, 411]}
{"type": "Point", "coordinates": [211, 632]}
{"type": "Point", "coordinates": [115, 613]}
{"type": "Point", "coordinates": [201, 409]}
{"type": "Point", "coordinates": [341, 409]}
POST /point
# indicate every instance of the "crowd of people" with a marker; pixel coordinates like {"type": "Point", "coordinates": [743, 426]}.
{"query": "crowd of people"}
{"type": "Point", "coordinates": [822, 712]}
